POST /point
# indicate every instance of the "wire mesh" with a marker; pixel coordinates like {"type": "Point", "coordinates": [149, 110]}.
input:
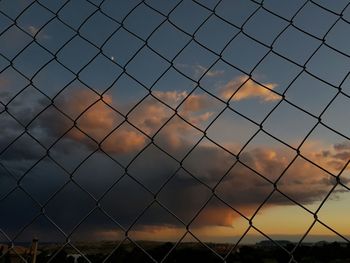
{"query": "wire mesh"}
{"type": "Point", "coordinates": [57, 39]}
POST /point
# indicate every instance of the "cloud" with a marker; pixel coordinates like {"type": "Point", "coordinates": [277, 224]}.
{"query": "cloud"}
{"type": "Point", "coordinates": [200, 70]}
{"type": "Point", "coordinates": [172, 98]}
{"type": "Point", "coordinates": [332, 158]}
{"type": "Point", "coordinates": [151, 115]}
{"type": "Point", "coordinates": [196, 108]}
{"type": "Point", "coordinates": [94, 117]}
{"type": "Point", "coordinates": [242, 88]}
{"type": "Point", "coordinates": [34, 31]}
{"type": "Point", "coordinates": [183, 195]}
{"type": "Point", "coordinates": [5, 89]}
{"type": "Point", "coordinates": [191, 102]}
{"type": "Point", "coordinates": [124, 142]}
{"type": "Point", "coordinates": [342, 146]}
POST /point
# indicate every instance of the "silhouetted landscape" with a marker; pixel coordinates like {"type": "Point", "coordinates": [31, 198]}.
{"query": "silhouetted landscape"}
{"type": "Point", "coordinates": [262, 252]}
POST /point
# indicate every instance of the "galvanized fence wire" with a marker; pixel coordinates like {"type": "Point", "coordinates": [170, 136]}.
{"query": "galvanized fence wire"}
{"type": "Point", "coordinates": [99, 8]}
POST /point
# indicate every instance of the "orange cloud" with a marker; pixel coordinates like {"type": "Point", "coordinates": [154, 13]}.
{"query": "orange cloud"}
{"type": "Point", "coordinates": [124, 141]}
{"type": "Point", "coordinates": [332, 158]}
{"type": "Point", "coordinates": [190, 103]}
{"type": "Point", "coordinates": [195, 103]}
{"type": "Point", "coordinates": [244, 88]}
{"type": "Point", "coordinates": [92, 115]}
{"type": "Point", "coordinates": [97, 119]}
{"type": "Point", "coordinates": [151, 115]}
{"type": "Point", "coordinates": [241, 188]}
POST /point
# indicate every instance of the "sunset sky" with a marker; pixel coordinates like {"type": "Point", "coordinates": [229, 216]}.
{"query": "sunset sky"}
{"type": "Point", "coordinates": [108, 108]}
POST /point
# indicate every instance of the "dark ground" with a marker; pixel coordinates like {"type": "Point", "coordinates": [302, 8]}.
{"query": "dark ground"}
{"type": "Point", "coordinates": [263, 252]}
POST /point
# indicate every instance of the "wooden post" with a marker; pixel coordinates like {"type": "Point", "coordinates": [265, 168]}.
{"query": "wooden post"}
{"type": "Point", "coordinates": [35, 249]}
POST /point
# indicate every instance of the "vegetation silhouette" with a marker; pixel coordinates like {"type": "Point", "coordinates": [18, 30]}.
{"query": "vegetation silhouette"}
{"type": "Point", "coordinates": [321, 252]}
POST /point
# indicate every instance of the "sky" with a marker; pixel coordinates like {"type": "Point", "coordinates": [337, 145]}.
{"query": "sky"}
{"type": "Point", "coordinates": [226, 118]}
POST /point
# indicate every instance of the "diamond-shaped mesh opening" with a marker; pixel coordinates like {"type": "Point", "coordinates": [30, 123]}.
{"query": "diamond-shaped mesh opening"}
{"type": "Point", "coordinates": [243, 178]}
{"type": "Point", "coordinates": [14, 11]}
{"type": "Point", "coordinates": [108, 175]}
{"type": "Point", "coordinates": [265, 27]}
{"type": "Point", "coordinates": [19, 216]}
{"type": "Point", "coordinates": [157, 114]}
{"type": "Point", "coordinates": [73, 19]}
{"type": "Point", "coordinates": [168, 35]}
{"type": "Point", "coordinates": [13, 41]}
{"type": "Point", "coordinates": [236, 13]}
{"type": "Point", "coordinates": [119, 12]}
{"type": "Point", "coordinates": [337, 62]}
{"type": "Point", "coordinates": [215, 34]}
{"type": "Point", "coordinates": [194, 60]}
{"type": "Point", "coordinates": [155, 178]}
{"type": "Point", "coordinates": [209, 172]}
{"type": "Point", "coordinates": [303, 48]}
{"type": "Point", "coordinates": [232, 136]}
{"type": "Point", "coordinates": [31, 102]}
{"type": "Point", "coordinates": [83, 146]}
{"type": "Point", "coordinates": [76, 54]}
{"type": "Point", "coordinates": [139, 67]}
{"type": "Point", "coordinates": [337, 32]}
{"type": "Point", "coordinates": [11, 130]}
{"type": "Point", "coordinates": [114, 202]}
{"type": "Point", "coordinates": [37, 62]}
{"type": "Point", "coordinates": [34, 18]}
{"type": "Point", "coordinates": [283, 79]}
{"type": "Point", "coordinates": [200, 109]}
{"type": "Point", "coordinates": [173, 88]}
{"type": "Point", "coordinates": [331, 154]}
{"type": "Point", "coordinates": [244, 58]}
{"type": "Point", "coordinates": [174, 131]}
{"type": "Point", "coordinates": [135, 19]}
{"type": "Point", "coordinates": [299, 223]}
{"type": "Point", "coordinates": [90, 27]}
{"type": "Point", "coordinates": [125, 143]}
{"type": "Point", "coordinates": [122, 46]}
{"type": "Point", "coordinates": [307, 84]}
{"type": "Point", "coordinates": [12, 83]}
{"type": "Point", "coordinates": [48, 35]}
{"type": "Point", "coordinates": [188, 16]}
{"type": "Point", "coordinates": [55, 124]}
{"type": "Point", "coordinates": [126, 94]}
{"type": "Point", "coordinates": [22, 154]}
{"type": "Point", "coordinates": [229, 222]}
{"type": "Point", "coordinates": [314, 27]}
{"type": "Point", "coordinates": [338, 8]}
{"type": "Point", "coordinates": [282, 130]}
{"type": "Point", "coordinates": [101, 73]}
{"type": "Point", "coordinates": [59, 214]}
{"type": "Point", "coordinates": [35, 180]}
{"type": "Point", "coordinates": [177, 137]}
{"type": "Point", "coordinates": [183, 202]}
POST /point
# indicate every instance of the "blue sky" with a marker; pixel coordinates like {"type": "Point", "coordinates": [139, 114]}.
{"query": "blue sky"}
{"type": "Point", "coordinates": [115, 84]}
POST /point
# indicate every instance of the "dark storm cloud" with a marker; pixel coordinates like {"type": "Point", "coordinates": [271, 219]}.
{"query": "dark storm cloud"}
{"type": "Point", "coordinates": [184, 196]}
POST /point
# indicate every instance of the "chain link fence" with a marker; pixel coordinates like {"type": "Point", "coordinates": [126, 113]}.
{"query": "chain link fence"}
{"type": "Point", "coordinates": [142, 84]}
